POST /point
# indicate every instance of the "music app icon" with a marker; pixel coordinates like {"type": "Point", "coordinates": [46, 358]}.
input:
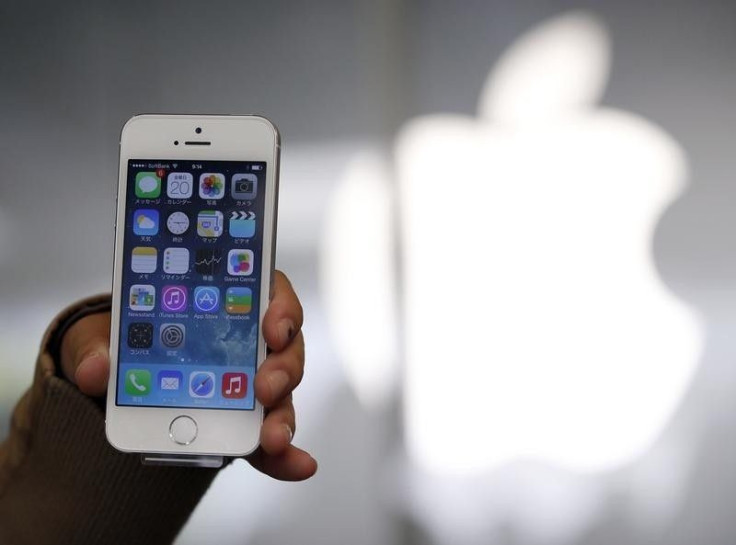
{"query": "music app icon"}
{"type": "Point", "coordinates": [234, 385]}
{"type": "Point", "coordinates": [174, 298]}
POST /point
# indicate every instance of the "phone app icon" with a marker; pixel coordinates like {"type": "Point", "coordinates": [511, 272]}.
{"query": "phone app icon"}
{"type": "Point", "coordinates": [147, 185]}
{"type": "Point", "coordinates": [144, 259]}
{"type": "Point", "coordinates": [202, 384]}
{"type": "Point", "coordinates": [240, 262]}
{"type": "Point", "coordinates": [179, 185]}
{"type": "Point", "coordinates": [234, 385]}
{"type": "Point", "coordinates": [209, 223]}
{"type": "Point", "coordinates": [177, 223]}
{"type": "Point", "coordinates": [170, 381]}
{"type": "Point", "coordinates": [212, 185]}
{"type": "Point", "coordinates": [238, 300]}
{"type": "Point", "coordinates": [142, 297]}
{"type": "Point", "coordinates": [145, 222]}
{"type": "Point", "coordinates": [172, 335]}
{"type": "Point", "coordinates": [242, 224]}
{"type": "Point", "coordinates": [244, 186]}
{"type": "Point", "coordinates": [207, 299]}
{"type": "Point", "coordinates": [176, 260]}
{"type": "Point", "coordinates": [137, 382]}
{"type": "Point", "coordinates": [140, 335]}
{"type": "Point", "coordinates": [207, 261]}
{"type": "Point", "coordinates": [174, 298]}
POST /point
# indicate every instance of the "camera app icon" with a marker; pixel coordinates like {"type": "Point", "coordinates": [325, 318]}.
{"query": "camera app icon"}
{"type": "Point", "coordinates": [244, 186]}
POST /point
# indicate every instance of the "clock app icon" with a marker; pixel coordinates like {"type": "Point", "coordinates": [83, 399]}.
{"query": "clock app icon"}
{"type": "Point", "coordinates": [177, 223]}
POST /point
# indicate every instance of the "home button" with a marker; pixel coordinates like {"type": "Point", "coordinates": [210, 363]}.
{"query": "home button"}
{"type": "Point", "coordinates": [183, 430]}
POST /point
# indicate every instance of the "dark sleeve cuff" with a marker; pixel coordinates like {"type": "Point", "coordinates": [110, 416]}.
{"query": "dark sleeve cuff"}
{"type": "Point", "coordinates": [62, 483]}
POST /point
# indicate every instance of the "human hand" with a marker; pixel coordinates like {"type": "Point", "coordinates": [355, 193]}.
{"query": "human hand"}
{"type": "Point", "coordinates": [85, 361]}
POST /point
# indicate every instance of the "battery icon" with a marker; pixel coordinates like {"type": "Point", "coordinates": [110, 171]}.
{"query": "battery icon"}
{"type": "Point", "coordinates": [256, 167]}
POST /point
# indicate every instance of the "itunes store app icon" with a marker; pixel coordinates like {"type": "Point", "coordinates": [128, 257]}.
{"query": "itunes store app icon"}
{"type": "Point", "coordinates": [174, 298]}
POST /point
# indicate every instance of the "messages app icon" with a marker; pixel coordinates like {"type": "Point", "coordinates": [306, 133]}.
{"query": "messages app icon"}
{"type": "Point", "coordinates": [147, 185]}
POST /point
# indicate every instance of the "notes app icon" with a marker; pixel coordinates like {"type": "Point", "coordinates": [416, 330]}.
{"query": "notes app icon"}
{"type": "Point", "coordinates": [144, 259]}
{"type": "Point", "coordinates": [234, 385]}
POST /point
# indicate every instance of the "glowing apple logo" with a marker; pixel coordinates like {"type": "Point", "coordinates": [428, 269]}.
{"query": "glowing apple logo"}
{"type": "Point", "coordinates": [536, 323]}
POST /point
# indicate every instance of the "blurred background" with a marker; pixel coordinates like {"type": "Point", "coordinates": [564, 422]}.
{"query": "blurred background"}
{"type": "Point", "coordinates": [510, 223]}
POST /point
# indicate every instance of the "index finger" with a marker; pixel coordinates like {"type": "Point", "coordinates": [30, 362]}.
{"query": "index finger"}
{"type": "Point", "coordinates": [284, 317]}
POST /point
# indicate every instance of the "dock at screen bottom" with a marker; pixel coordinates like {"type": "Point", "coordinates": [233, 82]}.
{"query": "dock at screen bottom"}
{"type": "Point", "coordinates": [186, 386]}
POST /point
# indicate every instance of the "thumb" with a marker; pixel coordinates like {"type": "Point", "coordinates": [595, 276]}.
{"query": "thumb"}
{"type": "Point", "coordinates": [85, 353]}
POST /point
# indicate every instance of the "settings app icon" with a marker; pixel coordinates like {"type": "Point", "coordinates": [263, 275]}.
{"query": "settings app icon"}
{"type": "Point", "coordinates": [172, 335]}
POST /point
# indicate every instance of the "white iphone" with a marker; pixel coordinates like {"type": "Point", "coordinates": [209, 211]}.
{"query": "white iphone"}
{"type": "Point", "coordinates": [194, 252]}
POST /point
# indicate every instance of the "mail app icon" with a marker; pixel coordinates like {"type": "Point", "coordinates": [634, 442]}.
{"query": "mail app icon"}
{"type": "Point", "coordinates": [170, 381]}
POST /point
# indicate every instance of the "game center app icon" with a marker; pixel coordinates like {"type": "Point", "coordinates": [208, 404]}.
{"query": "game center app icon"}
{"type": "Point", "coordinates": [174, 298]}
{"type": "Point", "coordinates": [234, 385]}
{"type": "Point", "coordinates": [142, 297]}
{"type": "Point", "coordinates": [140, 335]}
{"type": "Point", "coordinates": [212, 185]}
{"type": "Point", "coordinates": [145, 222]}
{"type": "Point", "coordinates": [240, 262]}
{"type": "Point", "coordinates": [244, 186]}
{"type": "Point", "coordinates": [209, 223]}
{"type": "Point", "coordinates": [147, 185]}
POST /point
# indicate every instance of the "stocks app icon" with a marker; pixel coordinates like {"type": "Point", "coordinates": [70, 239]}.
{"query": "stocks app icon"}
{"type": "Point", "coordinates": [207, 261]}
{"type": "Point", "coordinates": [172, 335]}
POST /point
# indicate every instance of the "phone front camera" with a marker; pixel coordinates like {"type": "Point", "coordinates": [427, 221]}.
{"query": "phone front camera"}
{"type": "Point", "coordinates": [176, 142]}
{"type": "Point", "coordinates": [198, 130]}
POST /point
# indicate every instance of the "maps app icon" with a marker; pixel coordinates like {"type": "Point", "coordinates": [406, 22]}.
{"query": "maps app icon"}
{"type": "Point", "coordinates": [209, 223]}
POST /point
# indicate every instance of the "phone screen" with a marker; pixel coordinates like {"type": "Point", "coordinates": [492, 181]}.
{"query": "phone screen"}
{"type": "Point", "coordinates": [191, 280]}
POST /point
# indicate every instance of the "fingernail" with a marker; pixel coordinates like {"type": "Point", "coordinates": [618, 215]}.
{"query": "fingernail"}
{"type": "Point", "coordinates": [286, 330]}
{"type": "Point", "coordinates": [278, 381]}
{"type": "Point", "coordinates": [289, 434]}
{"type": "Point", "coordinates": [92, 358]}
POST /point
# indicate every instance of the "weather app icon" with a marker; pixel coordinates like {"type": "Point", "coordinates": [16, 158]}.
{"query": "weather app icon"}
{"type": "Point", "coordinates": [145, 222]}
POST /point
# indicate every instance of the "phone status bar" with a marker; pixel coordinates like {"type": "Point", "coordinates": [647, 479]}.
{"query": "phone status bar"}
{"type": "Point", "coordinates": [159, 165]}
